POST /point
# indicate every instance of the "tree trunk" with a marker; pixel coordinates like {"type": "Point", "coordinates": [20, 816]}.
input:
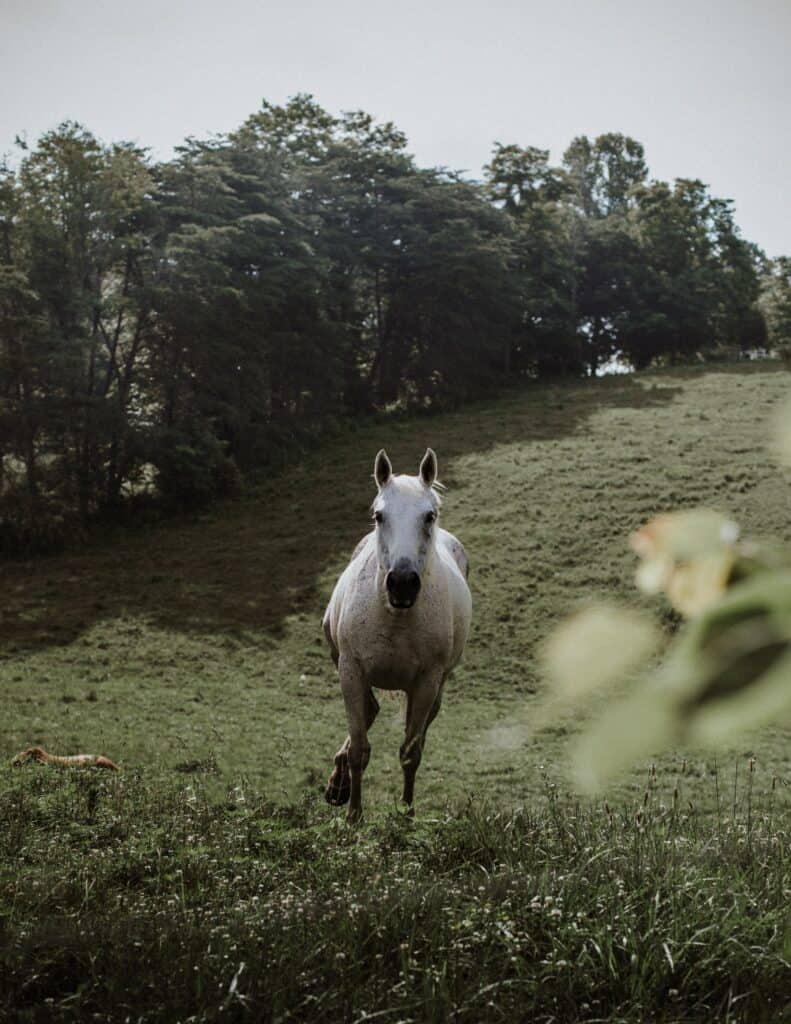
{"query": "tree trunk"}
{"type": "Point", "coordinates": [507, 353]}
{"type": "Point", "coordinates": [31, 469]}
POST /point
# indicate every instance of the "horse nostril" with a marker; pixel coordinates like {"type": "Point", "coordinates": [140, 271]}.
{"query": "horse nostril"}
{"type": "Point", "coordinates": [407, 580]}
{"type": "Point", "coordinates": [402, 586]}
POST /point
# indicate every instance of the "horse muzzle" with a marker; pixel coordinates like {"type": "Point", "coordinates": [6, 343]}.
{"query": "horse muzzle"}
{"type": "Point", "coordinates": [403, 586]}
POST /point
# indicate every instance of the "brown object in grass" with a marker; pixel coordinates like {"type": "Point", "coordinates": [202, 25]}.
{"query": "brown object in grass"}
{"type": "Point", "coordinates": [35, 755]}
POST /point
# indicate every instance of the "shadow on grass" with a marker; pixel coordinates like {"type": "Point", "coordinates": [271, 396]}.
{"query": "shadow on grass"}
{"type": "Point", "coordinates": [244, 567]}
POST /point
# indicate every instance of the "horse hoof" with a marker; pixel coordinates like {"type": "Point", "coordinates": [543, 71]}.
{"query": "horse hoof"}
{"type": "Point", "coordinates": [354, 816]}
{"type": "Point", "coordinates": [339, 789]}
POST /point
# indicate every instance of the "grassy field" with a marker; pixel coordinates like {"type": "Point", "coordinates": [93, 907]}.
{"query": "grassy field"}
{"type": "Point", "coordinates": [190, 652]}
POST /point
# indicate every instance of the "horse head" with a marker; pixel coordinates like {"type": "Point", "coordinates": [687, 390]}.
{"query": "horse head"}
{"type": "Point", "coordinates": [405, 512]}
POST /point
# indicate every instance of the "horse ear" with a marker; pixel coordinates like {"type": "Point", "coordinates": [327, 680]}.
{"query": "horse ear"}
{"type": "Point", "coordinates": [382, 468]}
{"type": "Point", "coordinates": [428, 467]}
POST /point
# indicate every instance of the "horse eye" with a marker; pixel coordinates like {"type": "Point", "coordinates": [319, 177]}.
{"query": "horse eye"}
{"type": "Point", "coordinates": [378, 517]}
{"type": "Point", "coordinates": [430, 517]}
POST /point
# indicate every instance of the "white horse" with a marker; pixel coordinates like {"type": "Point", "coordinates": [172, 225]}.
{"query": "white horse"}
{"type": "Point", "coordinates": [398, 619]}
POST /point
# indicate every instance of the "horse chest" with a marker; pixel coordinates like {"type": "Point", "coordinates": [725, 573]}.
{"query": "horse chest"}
{"type": "Point", "coordinates": [395, 649]}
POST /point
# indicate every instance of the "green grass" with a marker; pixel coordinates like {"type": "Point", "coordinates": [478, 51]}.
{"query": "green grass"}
{"type": "Point", "coordinates": [127, 899]}
{"type": "Point", "coordinates": [196, 645]}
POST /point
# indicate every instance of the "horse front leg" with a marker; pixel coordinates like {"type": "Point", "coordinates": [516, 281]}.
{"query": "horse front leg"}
{"type": "Point", "coordinates": [361, 708]}
{"type": "Point", "coordinates": [422, 708]}
{"type": "Point", "coordinates": [339, 785]}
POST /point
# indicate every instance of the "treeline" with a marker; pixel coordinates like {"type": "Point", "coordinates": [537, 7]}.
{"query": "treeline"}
{"type": "Point", "coordinates": [165, 327]}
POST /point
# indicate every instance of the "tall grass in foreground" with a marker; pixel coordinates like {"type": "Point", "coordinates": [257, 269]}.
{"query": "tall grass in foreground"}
{"type": "Point", "coordinates": [142, 899]}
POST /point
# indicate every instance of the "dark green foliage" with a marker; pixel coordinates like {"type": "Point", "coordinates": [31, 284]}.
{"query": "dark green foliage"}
{"type": "Point", "coordinates": [697, 280]}
{"type": "Point", "coordinates": [158, 322]}
{"type": "Point", "coordinates": [776, 302]}
{"type": "Point", "coordinates": [603, 174]}
{"type": "Point", "coordinates": [192, 467]}
{"type": "Point", "coordinates": [543, 337]}
{"type": "Point", "coordinates": [35, 522]}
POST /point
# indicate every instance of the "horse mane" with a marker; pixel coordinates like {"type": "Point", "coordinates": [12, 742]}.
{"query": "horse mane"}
{"type": "Point", "coordinates": [436, 492]}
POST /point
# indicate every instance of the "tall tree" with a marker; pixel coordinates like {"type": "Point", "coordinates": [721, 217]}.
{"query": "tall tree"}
{"type": "Point", "coordinates": [604, 173]}
{"type": "Point", "coordinates": [166, 324]}
{"type": "Point", "coordinates": [775, 301]}
{"type": "Point", "coordinates": [80, 240]}
{"type": "Point", "coordinates": [533, 194]}
{"type": "Point", "coordinates": [699, 279]}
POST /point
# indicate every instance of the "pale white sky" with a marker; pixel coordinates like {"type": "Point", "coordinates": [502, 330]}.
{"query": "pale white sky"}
{"type": "Point", "coordinates": [703, 84]}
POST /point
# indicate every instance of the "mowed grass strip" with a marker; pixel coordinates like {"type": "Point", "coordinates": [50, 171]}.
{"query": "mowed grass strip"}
{"type": "Point", "coordinates": [127, 899]}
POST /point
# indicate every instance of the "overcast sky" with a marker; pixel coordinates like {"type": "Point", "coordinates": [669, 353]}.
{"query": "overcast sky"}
{"type": "Point", "coordinates": [703, 84]}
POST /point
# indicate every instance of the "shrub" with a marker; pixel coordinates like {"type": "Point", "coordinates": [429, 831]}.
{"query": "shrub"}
{"type": "Point", "coordinates": [36, 524]}
{"type": "Point", "coordinates": [192, 467]}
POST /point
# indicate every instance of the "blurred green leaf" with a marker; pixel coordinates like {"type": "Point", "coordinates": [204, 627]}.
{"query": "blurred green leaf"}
{"type": "Point", "coordinates": [597, 647]}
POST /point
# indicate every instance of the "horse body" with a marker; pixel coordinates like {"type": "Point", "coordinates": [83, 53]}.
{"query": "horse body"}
{"type": "Point", "coordinates": [398, 619]}
{"type": "Point", "coordinates": [395, 649]}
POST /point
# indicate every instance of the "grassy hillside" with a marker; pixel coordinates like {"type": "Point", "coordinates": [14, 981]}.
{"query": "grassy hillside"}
{"type": "Point", "coordinates": [209, 881]}
{"type": "Point", "coordinates": [190, 642]}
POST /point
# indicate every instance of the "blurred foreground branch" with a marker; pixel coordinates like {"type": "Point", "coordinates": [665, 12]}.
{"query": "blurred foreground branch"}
{"type": "Point", "coordinates": [729, 668]}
